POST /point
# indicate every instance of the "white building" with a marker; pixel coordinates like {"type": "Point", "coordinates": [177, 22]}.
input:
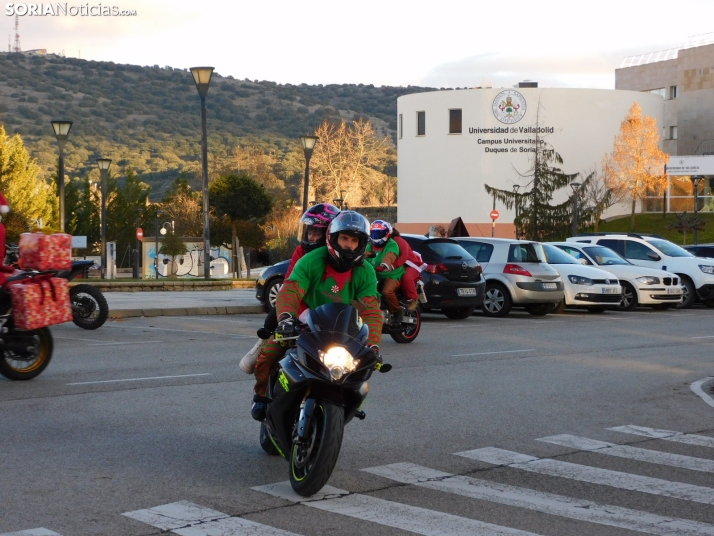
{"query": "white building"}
{"type": "Point", "coordinates": [451, 143]}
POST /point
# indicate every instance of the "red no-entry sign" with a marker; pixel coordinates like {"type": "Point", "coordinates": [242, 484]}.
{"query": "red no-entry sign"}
{"type": "Point", "coordinates": [494, 214]}
{"type": "Point", "coordinates": [139, 233]}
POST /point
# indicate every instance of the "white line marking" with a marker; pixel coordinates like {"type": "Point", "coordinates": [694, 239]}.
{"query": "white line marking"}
{"type": "Point", "coordinates": [391, 514]}
{"type": "Point", "coordinates": [593, 475]}
{"type": "Point", "coordinates": [188, 519]}
{"type": "Point", "coordinates": [70, 339]}
{"type": "Point", "coordinates": [631, 453]}
{"type": "Point", "coordinates": [128, 342]}
{"type": "Point", "coordinates": [142, 379]}
{"type": "Point", "coordinates": [667, 435]}
{"type": "Point", "coordinates": [538, 501]}
{"type": "Point", "coordinates": [707, 337]}
{"type": "Point", "coordinates": [32, 532]}
{"type": "Point", "coordinates": [697, 388]}
{"type": "Point", "coordinates": [499, 352]}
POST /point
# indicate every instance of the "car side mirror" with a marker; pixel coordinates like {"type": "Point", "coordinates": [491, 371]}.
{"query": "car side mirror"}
{"type": "Point", "coordinates": [653, 256]}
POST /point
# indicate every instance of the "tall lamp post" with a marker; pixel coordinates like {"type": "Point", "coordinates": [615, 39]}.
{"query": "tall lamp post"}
{"type": "Point", "coordinates": [308, 144]}
{"type": "Point", "coordinates": [202, 77]}
{"type": "Point", "coordinates": [575, 186]}
{"type": "Point", "coordinates": [103, 165]}
{"type": "Point", "coordinates": [156, 255]}
{"type": "Point", "coordinates": [137, 251]}
{"type": "Point", "coordinates": [61, 129]}
{"type": "Point", "coordinates": [516, 187]}
{"type": "Point", "coordinates": [696, 179]}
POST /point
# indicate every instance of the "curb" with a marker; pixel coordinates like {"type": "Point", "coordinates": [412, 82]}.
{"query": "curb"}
{"type": "Point", "coordinates": [187, 311]}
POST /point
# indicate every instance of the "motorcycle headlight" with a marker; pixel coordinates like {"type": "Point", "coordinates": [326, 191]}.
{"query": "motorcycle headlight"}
{"type": "Point", "coordinates": [579, 280]}
{"type": "Point", "coordinates": [338, 361]}
{"type": "Point", "coordinates": [706, 268]}
{"type": "Point", "coordinates": [648, 280]}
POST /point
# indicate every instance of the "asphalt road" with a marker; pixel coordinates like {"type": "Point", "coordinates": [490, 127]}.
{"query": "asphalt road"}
{"type": "Point", "coordinates": [148, 412]}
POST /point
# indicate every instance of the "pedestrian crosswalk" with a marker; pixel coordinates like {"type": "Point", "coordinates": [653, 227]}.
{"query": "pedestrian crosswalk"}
{"type": "Point", "coordinates": [188, 519]}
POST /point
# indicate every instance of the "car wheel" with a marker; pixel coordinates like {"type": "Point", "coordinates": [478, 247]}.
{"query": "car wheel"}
{"type": "Point", "coordinates": [629, 298]}
{"type": "Point", "coordinates": [690, 294]}
{"type": "Point", "coordinates": [459, 313]}
{"type": "Point", "coordinates": [271, 292]}
{"type": "Point", "coordinates": [496, 301]}
{"type": "Point", "coordinates": [595, 310]}
{"type": "Point", "coordinates": [558, 307]}
{"type": "Point", "coordinates": [539, 309]}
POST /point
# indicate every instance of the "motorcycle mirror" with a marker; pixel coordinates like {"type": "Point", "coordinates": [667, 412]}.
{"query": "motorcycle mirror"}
{"type": "Point", "coordinates": [386, 367]}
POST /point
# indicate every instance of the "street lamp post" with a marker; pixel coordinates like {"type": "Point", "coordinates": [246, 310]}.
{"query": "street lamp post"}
{"type": "Point", "coordinates": [575, 186]}
{"type": "Point", "coordinates": [61, 129]}
{"type": "Point", "coordinates": [202, 77]}
{"type": "Point", "coordinates": [156, 255]}
{"type": "Point", "coordinates": [103, 165]}
{"type": "Point", "coordinates": [137, 251]}
{"type": "Point", "coordinates": [695, 180]}
{"type": "Point", "coordinates": [516, 187]}
{"type": "Point", "coordinates": [308, 144]}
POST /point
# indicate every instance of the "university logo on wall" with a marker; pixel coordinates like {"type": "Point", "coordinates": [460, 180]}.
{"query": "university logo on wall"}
{"type": "Point", "coordinates": [509, 106]}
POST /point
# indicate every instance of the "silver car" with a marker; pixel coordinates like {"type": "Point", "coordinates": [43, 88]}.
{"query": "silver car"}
{"type": "Point", "coordinates": [516, 274]}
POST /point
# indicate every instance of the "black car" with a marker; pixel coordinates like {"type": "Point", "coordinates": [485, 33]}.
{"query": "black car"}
{"type": "Point", "coordinates": [701, 250]}
{"type": "Point", "coordinates": [452, 282]}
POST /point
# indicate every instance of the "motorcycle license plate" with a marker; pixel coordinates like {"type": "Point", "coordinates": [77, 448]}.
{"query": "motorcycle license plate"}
{"type": "Point", "coordinates": [466, 291]}
{"type": "Point", "coordinates": [674, 290]}
{"type": "Point", "coordinates": [550, 286]}
{"type": "Point", "coordinates": [610, 290]}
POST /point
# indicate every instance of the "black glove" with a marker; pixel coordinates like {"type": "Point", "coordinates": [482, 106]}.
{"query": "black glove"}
{"type": "Point", "coordinates": [286, 326]}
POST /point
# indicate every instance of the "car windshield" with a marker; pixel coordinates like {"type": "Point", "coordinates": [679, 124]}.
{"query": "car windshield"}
{"type": "Point", "coordinates": [449, 251]}
{"type": "Point", "coordinates": [556, 256]}
{"type": "Point", "coordinates": [604, 256]}
{"type": "Point", "coordinates": [668, 248]}
{"type": "Point", "coordinates": [531, 252]}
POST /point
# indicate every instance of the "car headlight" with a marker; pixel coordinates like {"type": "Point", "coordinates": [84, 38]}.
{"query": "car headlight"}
{"type": "Point", "coordinates": [707, 268]}
{"type": "Point", "coordinates": [338, 361]}
{"type": "Point", "coordinates": [579, 280]}
{"type": "Point", "coordinates": [648, 280]}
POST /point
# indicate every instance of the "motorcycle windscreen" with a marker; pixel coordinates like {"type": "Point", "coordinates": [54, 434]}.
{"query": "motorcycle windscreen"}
{"type": "Point", "coordinates": [341, 321]}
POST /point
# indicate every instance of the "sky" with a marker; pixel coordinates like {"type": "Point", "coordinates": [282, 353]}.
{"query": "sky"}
{"type": "Point", "coordinates": [446, 43]}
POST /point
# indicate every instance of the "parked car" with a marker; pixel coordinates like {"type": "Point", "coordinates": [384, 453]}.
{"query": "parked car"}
{"type": "Point", "coordinates": [653, 251]}
{"type": "Point", "coordinates": [640, 285]}
{"type": "Point", "coordinates": [701, 250]}
{"type": "Point", "coordinates": [453, 282]}
{"type": "Point", "coordinates": [516, 274]}
{"type": "Point", "coordinates": [585, 286]}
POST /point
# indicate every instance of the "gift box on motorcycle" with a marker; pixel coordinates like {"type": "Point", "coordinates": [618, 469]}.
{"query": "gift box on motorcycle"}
{"type": "Point", "coordinates": [40, 301]}
{"type": "Point", "coordinates": [40, 251]}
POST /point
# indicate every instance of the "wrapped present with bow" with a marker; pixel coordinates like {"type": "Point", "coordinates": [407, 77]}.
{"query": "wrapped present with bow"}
{"type": "Point", "coordinates": [40, 301]}
{"type": "Point", "coordinates": [40, 251]}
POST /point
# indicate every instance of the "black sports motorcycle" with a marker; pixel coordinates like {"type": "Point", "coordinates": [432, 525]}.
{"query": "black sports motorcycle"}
{"type": "Point", "coordinates": [317, 388]}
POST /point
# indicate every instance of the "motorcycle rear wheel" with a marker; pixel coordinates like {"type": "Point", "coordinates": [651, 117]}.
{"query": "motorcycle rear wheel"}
{"type": "Point", "coordinates": [410, 330]}
{"type": "Point", "coordinates": [311, 463]}
{"type": "Point", "coordinates": [89, 306]}
{"type": "Point", "coordinates": [25, 364]}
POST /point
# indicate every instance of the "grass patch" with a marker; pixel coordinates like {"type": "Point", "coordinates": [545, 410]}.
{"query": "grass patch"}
{"type": "Point", "coordinates": [656, 224]}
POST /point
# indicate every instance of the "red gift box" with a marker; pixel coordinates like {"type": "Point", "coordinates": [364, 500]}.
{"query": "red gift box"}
{"type": "Point", "coordinates": [40, 301]}
{"type": "Point", "coordinates": [39, 251]}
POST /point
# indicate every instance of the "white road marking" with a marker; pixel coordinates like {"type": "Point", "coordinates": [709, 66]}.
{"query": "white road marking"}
{"type": "Point", "coordinates": [593, 475]}
{"type": "Point", "coordinates": [667, 435]}
{"type": "Point", "coordinates": [70, 339]}
{"type": "Point", "coordinates": [547, 503]}
{"type": "Point", "coordinates": [32, 532]}
{"type": "Point", "coordinates": [142, 379]}
{"type": "Point", "coordinates": [389, 513]}
{"type": "Point", "coordinates": [127, 342]}
{"type": "Point", "coordinates": [631, 453]}
{"type": "Point", "coordinates": [499, 352]}
{"type": "Point", "coordinates": [697, 388]}
{"type": "Point", "coordinates": [188, 519]}
{"type": "Point", "coordinates": [706, 337]}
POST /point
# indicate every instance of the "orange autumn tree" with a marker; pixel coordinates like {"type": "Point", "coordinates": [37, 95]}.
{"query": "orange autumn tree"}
{"type": "Point", "coordinates": [636, 165]}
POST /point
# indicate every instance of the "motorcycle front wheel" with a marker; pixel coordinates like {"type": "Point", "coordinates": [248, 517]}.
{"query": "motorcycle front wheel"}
{"type": "Point", "coordinates": [411, 329]}
{"type": "Point", "coordinates": [25, 354]}
{"type": "Point", "coordinates": [89, 306]}
{"type": "Point", "coordinates": [312, 461]}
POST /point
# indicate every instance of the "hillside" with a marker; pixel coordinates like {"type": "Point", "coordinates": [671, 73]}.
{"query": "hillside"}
{"type": "Point", "coordinates": [148, 118]}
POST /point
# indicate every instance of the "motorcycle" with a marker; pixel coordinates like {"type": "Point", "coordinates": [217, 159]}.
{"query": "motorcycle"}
{"type": "Point", "coordinates": [407, 329]}
{"type": "Point", "coordinates": [315, 390]}
{"type": "Point", "coordinates": [24, 354]}
{"type": "Point", "coordinates": [89, 306]}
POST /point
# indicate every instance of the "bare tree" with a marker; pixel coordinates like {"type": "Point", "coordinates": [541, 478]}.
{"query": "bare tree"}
{"type": "Point", "coordinates": [597, 193]}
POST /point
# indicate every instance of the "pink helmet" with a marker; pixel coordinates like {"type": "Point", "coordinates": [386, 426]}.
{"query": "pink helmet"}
{"type": "Point", "coordinates": [317, 217]}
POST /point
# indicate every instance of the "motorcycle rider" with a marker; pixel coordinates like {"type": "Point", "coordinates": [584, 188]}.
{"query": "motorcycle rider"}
{"type": "Point", "coordinates": [4, 209]}
{"type": "Point", "coordinates": [413, 266]}
{"type": "Point", "coordinates": [315, 221]}
{"type": "Point", "coordinates": [335, 273]}
{"type": "Point", "coordinates": [382, 253]}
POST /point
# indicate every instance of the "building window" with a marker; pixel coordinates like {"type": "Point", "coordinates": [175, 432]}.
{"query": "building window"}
{"type": "Point", "coordinates": [672, 92]}
{"type": "Point", "coordinates": [659, 91]}
{"type": "Point", "coordinates": [672, 133]}
{"type": "Point", "coordinates": [421, 123]}
{"type": "Point", "coordinates": [401, 126]}
{"type": "Point", "coordinates": [455, 121]}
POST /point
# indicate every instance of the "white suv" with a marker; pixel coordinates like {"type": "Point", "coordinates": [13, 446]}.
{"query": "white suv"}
{"type": "Point", "coordinates": [697, 274]}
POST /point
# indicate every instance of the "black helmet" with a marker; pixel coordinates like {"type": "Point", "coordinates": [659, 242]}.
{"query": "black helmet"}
{"type": "Point", "coordinates": [317, 217]}
{"type": "Point", "coordinates": [353, 224]}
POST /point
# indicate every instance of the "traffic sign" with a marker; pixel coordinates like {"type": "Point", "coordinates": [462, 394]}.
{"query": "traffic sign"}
{"type": "Point", "coordinates": [139, 233]}
{"type": "Point", "coordinates": [494, 215]}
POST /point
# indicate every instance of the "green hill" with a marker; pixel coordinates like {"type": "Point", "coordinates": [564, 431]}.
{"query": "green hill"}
{"type": "Point", "coordinates": [148, 118]}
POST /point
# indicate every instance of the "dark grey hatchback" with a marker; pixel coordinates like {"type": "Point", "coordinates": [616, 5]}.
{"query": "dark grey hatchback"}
{"type": "Point", "coordinates": [453, 282]}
